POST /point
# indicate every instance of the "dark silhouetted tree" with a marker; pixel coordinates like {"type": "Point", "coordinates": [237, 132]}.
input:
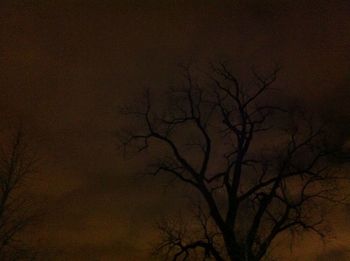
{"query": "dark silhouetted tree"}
{"type": "Point", "coordinates": [260, 169]}
{"type": "Point", "coordinates": [17, 163]}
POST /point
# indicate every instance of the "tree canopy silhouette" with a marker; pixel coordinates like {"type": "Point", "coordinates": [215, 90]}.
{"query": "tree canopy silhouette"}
{"type": "Point", "coordinates": [260, 169]}
{"type": "Point", "coordinates": [17, 165]}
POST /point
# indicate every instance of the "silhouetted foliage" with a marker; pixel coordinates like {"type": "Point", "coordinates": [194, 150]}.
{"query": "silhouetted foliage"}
{"type": "Point", "coordinates": [260, 169]}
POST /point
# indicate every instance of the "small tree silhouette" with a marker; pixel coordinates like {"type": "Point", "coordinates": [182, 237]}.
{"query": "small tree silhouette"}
{"type": "Point", "coordinates": [260, 170]}
{"type": "Point", "coordinates": [17, 163]}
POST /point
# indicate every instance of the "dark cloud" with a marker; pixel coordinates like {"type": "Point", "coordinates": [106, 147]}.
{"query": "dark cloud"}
{"type": "Point", "coordinates": [67, 65]}
{"type": "Point", "coordinates": [341, 254]}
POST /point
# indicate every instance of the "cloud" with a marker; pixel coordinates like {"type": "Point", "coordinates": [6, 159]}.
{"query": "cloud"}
{"type": "Point", "coordinates": [66, 66]}
{"type": "Point", "coordinates": [340, 254]}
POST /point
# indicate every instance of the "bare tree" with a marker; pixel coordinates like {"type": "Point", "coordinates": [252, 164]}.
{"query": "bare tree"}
{"type": "Point", "coordinates": [17, 163]}
{"type": "Point", "coordinates": [260, 170]}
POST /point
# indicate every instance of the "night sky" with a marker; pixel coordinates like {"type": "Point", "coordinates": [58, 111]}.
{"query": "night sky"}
{"type": "Point", "coordinates": [67, 66]}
